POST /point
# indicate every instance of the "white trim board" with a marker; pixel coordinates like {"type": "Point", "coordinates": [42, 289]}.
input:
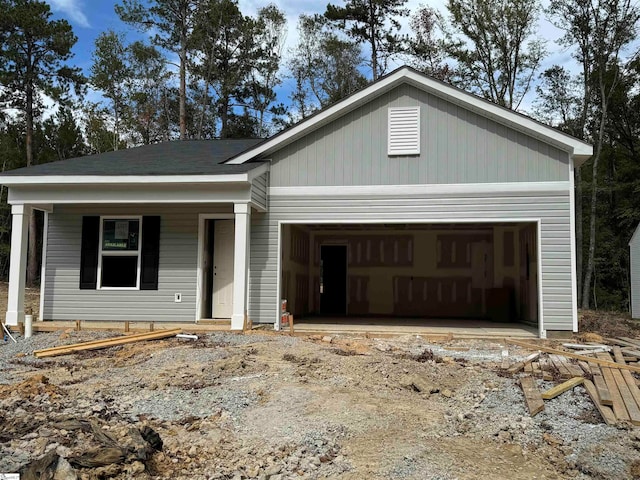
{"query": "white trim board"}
{"type": "Point", "coordinates": [433, 189]}
{"type": "Point", "coordinates": [580, 150]}
{"type": "Point", "coordinates": [43, 267]}
{"type": "Point", "coordinates": [574, 262]}
{"type": "Point", "coordinates": [534, 220]}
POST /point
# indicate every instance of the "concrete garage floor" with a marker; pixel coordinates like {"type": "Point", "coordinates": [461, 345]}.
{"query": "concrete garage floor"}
{"type": "Point", "coordinates": [420, 326]}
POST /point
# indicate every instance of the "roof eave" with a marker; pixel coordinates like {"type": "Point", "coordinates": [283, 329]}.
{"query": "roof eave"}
{"type": "Point", "coordinates": [62, 180]}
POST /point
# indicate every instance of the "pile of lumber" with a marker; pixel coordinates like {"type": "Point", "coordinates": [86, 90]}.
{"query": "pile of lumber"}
{"type": "Point", "coordinates": [605, 370]}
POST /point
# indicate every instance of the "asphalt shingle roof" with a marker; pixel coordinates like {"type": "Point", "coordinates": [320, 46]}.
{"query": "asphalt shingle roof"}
{"type": "Point", "coordinates": [187, 157]}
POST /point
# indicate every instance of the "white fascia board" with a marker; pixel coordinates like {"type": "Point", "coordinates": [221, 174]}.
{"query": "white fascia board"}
{"type": "Point", "coordinates": [13, 180]}
{"type": "Point", "coordinates": [433, 189]}
{"type": "Point", "coordinates": [580, 150]}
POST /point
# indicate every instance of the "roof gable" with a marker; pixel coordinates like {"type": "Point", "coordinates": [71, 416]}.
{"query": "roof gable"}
{"type": "Point", "coordinates": [579, 150]}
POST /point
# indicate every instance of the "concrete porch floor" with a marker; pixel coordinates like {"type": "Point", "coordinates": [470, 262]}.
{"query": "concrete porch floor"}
{"type": "Point", "coordinates": [460, 328]}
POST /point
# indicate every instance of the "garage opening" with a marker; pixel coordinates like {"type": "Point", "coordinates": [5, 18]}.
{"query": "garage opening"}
{"type": "Point", "coordinates": [408, 273]}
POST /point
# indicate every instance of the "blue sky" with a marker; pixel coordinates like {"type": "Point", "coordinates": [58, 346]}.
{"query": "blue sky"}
{"type": "Point", "coordinates": [91, 17]}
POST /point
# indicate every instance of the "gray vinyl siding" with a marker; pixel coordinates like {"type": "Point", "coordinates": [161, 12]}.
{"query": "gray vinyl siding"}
{"type": "Point", "coordinates": [457, 146]}
{"type": "Point", "coordinates": [259, 190]}
{"type": "Point", "coordinates": [635, 274]}
{"type": "Point", "coordinates": [63, 300]}
{"type": "Point", "coordinates": [553, 208]}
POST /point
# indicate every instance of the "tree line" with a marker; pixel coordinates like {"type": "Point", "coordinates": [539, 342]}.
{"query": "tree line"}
{"type": "Point", "coordinates": [207, 70]}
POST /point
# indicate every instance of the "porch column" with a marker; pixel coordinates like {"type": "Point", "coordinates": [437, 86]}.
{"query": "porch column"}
{"type": "Point", "coordinates": [18, 263]}
{"type": "Point", "coordinates": [240, 264]}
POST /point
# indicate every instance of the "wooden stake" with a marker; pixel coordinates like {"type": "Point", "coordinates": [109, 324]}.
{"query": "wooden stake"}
{"type": "Point", "coordinates": [151, 326]}
{"type": "Point", "coordinates": [291, 325]}
{"type": "Point", "coordinates": [78, 325]}
{"type": "Point", "coordinates": [126, 326]}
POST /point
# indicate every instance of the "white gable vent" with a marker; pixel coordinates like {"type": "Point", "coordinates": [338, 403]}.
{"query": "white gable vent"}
{"type": "Point", "coordinates": [404, 131]}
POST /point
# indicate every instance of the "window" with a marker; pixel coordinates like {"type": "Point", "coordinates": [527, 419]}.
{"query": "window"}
{"type": "Point", "coordinates": [120, 252]}
{"type": "Point", "coordinates": [119, 263]}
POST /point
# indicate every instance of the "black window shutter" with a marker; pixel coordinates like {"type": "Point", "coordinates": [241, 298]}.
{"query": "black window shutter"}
{"type": "Point", "coordinates": [150, 253]}
{"type": "Point", "coordinates": [89, 253]}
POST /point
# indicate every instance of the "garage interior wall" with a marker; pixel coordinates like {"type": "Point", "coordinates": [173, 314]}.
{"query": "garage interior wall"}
{"type": "Point", "coordinates": [417, 270]}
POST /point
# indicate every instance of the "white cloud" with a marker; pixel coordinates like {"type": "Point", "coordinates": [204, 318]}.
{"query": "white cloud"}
{"type": "Point", "coordinates": [72, 9]}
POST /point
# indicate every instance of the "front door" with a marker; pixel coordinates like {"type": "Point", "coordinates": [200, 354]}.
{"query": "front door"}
{"type": "Point", "coordinates": [333, 282]}
{"type": "Point", "coordinates": [224, 236]}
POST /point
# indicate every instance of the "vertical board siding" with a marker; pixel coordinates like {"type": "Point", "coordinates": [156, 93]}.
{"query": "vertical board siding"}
{"type": "Point", "coordinates": [456, 145]}
{"type": "Point", "coordinates": [63, 300]}
{"type": "Point", "coordinates": [259, 190]}
{"type": "Point", "coordinates": [552, 208]}
{"type": "Point", "coordinates": [634, 257]}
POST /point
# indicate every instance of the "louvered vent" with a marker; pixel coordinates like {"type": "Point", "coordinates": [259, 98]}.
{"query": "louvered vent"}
{"type": "Point", "coordinates": [404, 131]}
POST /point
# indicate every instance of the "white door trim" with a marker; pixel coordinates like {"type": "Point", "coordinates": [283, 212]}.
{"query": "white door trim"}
{"type": "Point", "coordinates": [200, 270]}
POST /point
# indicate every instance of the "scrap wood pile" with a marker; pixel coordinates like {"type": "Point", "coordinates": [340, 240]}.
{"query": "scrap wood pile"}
{"type": "Point", "coordinates": [605, 369]}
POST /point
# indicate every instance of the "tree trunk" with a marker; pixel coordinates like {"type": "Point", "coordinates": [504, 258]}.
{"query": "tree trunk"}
{"type": "Point", "coordinates": [586, 287]}
{"type": "Point", "coordinates": [374, 52]}
{"type": "Point", "coordinates": [183, 87]}
{"type": "Point", "coordinates": [116, 136]}
{"type": "Point", "coordinates": [224, 116]}
{"type": "Point", "coordinates": [32, 250]}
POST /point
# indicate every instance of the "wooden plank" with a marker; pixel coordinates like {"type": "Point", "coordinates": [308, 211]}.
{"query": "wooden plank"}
{"type": "Point", "coordinates": [605, 412]}
{"type": "Point", "coordinates": [532, 395]}
{"type": "Point", "coordinates": [563, 387]}
{"type": "Point", "coordinates": [592, 352]}
{"type": "Point", "coordinates": [561, 366]}
{"type": "Point", "coordinates": [633, 353]}
{"type": "Point", "coordinates": [536, 368]}
{"type": "Point", "coordinates": [601, 386]}
{"type": "Point", "coordinates": [51, 352]}
{"type": "Point", "coordinates": [619, 410]}
{"type": "Point", "coordinates": [585, 367]}
{"type": "Point", "coordinates": [102, 341]}
{"type": "Point", "coordinates": [545, 365]}
{"type": "Point", "coordinates": [581, 346]}
{"type": "Point", "coordinates": [635, 341]}
{"type": "Point", "coordinates": [528, 368]}
{"type": "Point", "coordinates": [617, 355]}
{"type": "Point", "coordinates": [629, 402]}
{"type": "Point", "coordinates": [572, 355]}
{"type": "Point", "coordinates": [631, 385]}
{"type": "Point", "coordinates": [574, 370]}
{"type": "Point", "coordinates": [619, 341]}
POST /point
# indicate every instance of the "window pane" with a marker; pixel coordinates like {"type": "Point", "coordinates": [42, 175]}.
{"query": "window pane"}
{"type": "Point", "coordinates": [120, 234]}
{"type": "Point", "coordinates": [119, 271]}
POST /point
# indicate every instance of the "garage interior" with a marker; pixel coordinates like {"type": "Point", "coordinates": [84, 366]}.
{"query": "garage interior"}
{"type": "Point", "coordinates": [410, 274]}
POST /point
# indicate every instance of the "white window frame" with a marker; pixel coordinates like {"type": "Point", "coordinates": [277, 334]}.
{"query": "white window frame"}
{"type": "Point", "coordinates": [120, 253]}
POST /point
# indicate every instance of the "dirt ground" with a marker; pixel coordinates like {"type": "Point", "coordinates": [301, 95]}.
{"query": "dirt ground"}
{"type": "Point", "coordinates": [274, 407]}
{"type": "Point", "coordinates": [269, 406]}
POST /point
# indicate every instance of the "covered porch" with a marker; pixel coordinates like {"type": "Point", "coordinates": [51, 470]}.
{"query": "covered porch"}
{"type": "Point", "coordinates": [134, 250]}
